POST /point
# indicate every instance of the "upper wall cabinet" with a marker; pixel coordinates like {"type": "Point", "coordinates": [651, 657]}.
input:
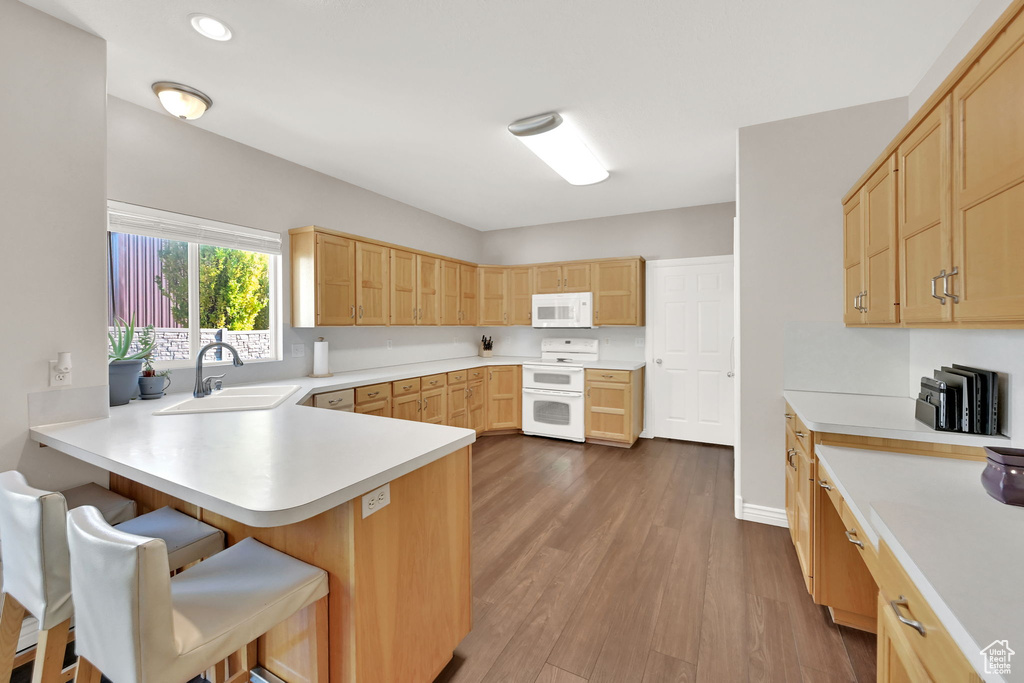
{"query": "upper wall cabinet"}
{"type": "Point", "coordinates": [450, 292]}
{"type": "Point", "coordinates": [618, 286]}
{"type": "Point", "coordinates": [428, 290]}
{"type": "Point", "coordinates": [521, 289]}
{"type": "Point", "coordinates": [328, 262]}
{"type": "Point", "coordinates": [469, 298]}
{"type": "Point", "coordinates": [403, 287]}
{"type": "Point", "coordinates": [552, 278]}
{"type": "Point", "coordinates": [958, 201]}
{"type": "Point", "coordinates": [494, 295]}
{"type": "Point", "coordinates": [373, 284]}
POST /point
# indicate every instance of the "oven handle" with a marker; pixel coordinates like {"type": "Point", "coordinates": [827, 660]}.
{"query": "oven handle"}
{"type": "Point", "coordinates": [548, 368]}
{"type": "Point", "coordinates": [549, 392]}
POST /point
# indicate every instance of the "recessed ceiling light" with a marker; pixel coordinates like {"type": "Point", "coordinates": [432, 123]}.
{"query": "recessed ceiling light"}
{"type": "Point", "coordinates": [558, 146]}
{"type": "Point", "coordinates": [181, 100]}
{"type": "Point", "coordinates": [214, 29]}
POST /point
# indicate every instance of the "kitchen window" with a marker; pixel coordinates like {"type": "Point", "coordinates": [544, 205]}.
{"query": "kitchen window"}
{"type": "Point", "coordinates": [194, 281]}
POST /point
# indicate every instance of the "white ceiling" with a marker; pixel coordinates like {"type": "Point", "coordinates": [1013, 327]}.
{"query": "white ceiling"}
{"type": "Point", "coordinates": [411, 98]}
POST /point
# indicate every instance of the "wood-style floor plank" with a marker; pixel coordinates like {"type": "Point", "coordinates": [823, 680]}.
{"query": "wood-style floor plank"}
{"type": "Point", "coordinates": [594, 563]}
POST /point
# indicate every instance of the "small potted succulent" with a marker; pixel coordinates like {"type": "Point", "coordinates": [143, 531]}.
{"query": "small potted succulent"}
{"type": "Point", "coordinates": [125, 364]}
{"type": "Point", "coordinates": [153, 382]}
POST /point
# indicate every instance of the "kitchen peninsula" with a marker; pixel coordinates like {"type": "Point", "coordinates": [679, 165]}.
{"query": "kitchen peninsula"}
{"type": "Point", "coordinates": [292, 477]}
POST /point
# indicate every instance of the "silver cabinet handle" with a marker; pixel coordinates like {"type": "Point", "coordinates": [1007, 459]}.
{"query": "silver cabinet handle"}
{"type": "Point", "coordinates": [850, 537]}
{"type": "Point", "coordinates": [353, 314]}
{"type": "Point", "coordinates": [942, 299]}
{"type": "Point", "coordinates": [864, 302]}
{"type": "Point", "coordinates": [945, 285]}
{"type": "Point", "coordinates": [801, 435]}
{"type": "Point", "coordinates": [360, 311]}
{"type": "Point", "coordinates": [824, 484]}
{"type": "Point", "coordinates": [790, 454]}
{"type": "Point", "coordinates": [902, 602]}
{"type": "Point", "coordinates": [372, 394]}
{"type": "Point", "coordinates": [334, 401]}
{"type": "Point", "coordinates": [789, 416]}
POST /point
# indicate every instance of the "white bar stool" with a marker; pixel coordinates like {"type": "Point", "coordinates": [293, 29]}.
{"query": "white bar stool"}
{"type": "Point", "coordinates": [36, 571]}
{"type": "Point", "coordinates": [137, 624]}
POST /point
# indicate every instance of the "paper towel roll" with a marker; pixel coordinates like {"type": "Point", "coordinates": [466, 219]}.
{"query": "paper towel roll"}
{"type": "Point", "coordinates": [320, 358]}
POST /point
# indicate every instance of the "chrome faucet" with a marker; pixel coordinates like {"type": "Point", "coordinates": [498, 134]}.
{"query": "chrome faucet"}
{"type": "Point", "coordinates": [204, 386]}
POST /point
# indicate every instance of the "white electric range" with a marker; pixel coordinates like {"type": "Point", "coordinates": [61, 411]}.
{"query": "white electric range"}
{"type": "Point", "coordinates": [553, 399]}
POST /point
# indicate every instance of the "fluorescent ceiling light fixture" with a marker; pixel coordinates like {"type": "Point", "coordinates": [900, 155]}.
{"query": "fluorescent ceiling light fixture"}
{"type": "Point", "coordinates": [214, 29]}
{"type": "Point", "coordinates": [558, 146]}
{"type": "Point", "coordinates": [182, 101]}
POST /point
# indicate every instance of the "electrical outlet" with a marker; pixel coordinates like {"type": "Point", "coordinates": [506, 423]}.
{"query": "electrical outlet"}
{"type": "Point", "coordinates": [389, 344]}
{"type": "Point", "coordinates": [607, 341]}
{"type": "Point", "coordinates": [455, 340]}
{"type": "Point", "coordinates": [638, 341]}
{"type": "Point", "coordinates": [298, 350]}
{"type": "Point", "coordinates": [57, 378]}
{"type": "Point", "coordinates": [376, 499]}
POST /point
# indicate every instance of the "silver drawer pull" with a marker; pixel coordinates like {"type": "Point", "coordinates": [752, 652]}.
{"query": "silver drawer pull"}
{"type": "Point", "coordinates": [789, 416]}
{"type": "Point", "coordinates": [407, 386]}
{"type": "Point", "coordinates": [372, 394]}
{"type": "Point", "coordinates": [789, 457]}
{"type": "Point", "coordinates": [824, 484]}
{"type": "Point", "coordinates": [334, 401]}
{"type": "Point", "coordinates": [942, 299]}
{"type": "Point", "coordinates": [801, 435]}
{"type": "Point", "coordinates": [902, 602]}
{"type": "Point", "coordinates": [850, 537]}
{"type": "Point", "coordinates": [608, 376]}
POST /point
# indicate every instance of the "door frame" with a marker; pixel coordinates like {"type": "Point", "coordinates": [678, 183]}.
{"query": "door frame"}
{"type": "Point", "coordinates": [652, 269]}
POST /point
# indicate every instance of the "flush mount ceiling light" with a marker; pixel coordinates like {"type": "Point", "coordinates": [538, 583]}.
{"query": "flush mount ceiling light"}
{"type": "Point", "coordinates": [214, 29]}
{"type": "Point", "coordinates": [181, 100]}
{"type": "Point", "coordinates": [558, 146]}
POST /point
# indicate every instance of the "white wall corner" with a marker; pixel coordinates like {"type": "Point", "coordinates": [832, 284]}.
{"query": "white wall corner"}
{"type": "Point", "coordinates": [761, 514]}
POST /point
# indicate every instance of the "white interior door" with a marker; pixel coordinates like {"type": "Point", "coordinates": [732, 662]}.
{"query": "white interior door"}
{"type": "Point", "coordinates": [690, 363]}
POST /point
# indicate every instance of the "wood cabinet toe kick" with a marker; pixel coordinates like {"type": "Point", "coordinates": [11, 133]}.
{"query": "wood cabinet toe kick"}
{"type": "Point", "coordinates": [399, 603]}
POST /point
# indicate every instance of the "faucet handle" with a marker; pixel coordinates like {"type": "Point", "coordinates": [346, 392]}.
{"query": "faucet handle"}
{"type": "Point", "coordinates": [213, 382]}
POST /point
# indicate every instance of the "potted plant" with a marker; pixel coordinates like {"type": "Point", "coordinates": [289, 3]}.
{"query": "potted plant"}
{"type": "Point", "coordinates": [153, 382]}
{"type": "Point", "coordinates": [125, 366]}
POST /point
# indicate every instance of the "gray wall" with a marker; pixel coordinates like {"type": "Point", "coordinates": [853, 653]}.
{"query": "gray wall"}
{"type": "Point", "coordinates": [52, 190]}
{"type": "Point", "coordinates": [674, 233]}
{"type": "Point", "coordinates": [792, 175]}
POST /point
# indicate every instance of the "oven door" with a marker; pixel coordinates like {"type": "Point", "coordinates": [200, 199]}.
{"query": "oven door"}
{"type": "Point", "coordinates": [553, 377]}
{"type": "Point", "coordinates": [553, 413]}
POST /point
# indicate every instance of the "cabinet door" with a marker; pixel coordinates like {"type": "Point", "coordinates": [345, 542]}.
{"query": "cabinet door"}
{"type": "Point", "coordinates": [504, 397]}
{"type": "Point", "coordinates": [372, 284]}
{"type": "Point", "coordinates": [576, 277]}
{"type": "Point", "coordinates": [617, 292]}
{"type": "Point", "coordinates": [924, 212]}
{"type": "Point", "coordinates": [879, 263]}
{"type": "Point", "coordinates": [335, 280]}
{"type": "Point", "coordinates": [493, 295]}
{"type": "Point", "coordinates": [403, 288]}
{"type": "Point", "coordinates": [897, 661]}
{"type": "Point", "coordinates": [381, 408]}
{"type": "Point", "coordinates": [458, 396]}
{"type": "Point", "coordinates": [806, 486]}
{"type": "Point", "coordinates": [450, 293]}
{"type": "Point", "coordinates": [548, 279]}
{"type": "Point", "coordinates": [607, 414]}
{"type": "Point", "coordinates": [520, 285]}
{"type": "Point", "coordinates": [434, 402]}
{"type": "Point", "coordinates": [406, 407]}
{"type": "Point", "coordinates": [853, 253]}
{"type": "Point", "coordinates": [469, 302]}
{"type": "Point", "coordinates": [988, 176]}
{"type": "Point", "coordinates": [476, 405]}
{"type": "Point", "coordinates": [428, 290]}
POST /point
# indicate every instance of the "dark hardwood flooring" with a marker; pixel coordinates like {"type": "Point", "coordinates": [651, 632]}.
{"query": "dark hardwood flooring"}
{"type": "Point", "coordinates": [600, 564]}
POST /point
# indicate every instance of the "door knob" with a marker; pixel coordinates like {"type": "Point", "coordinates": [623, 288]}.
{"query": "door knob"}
{"type": "Point", "coordinates": [658, 361]}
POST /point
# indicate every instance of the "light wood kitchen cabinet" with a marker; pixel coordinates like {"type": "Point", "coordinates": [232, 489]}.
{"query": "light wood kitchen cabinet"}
{"type": "Point", "coordinates": [406, 407]}
{"type": "Point", "coordinates": [897, 662]}
{"type": "Point", "coordinates": [450, 293]}
{"type": "Point", "coordinates": [494, 295]}
{"type": "Point", "coordinates": [853, 253]}
{"type": "Point", "coordinates": [613, 406]}
{"type": "Point", "coordinates": [373, 284]}
{"type": "Point", "coordinates": [403, 287]}
{"type": "Point", "coordinates": [870, 245]}
{"type": "Point", "coordinates": [925, 218]}
{"type": "Point", "coordinates": [476, 404]}
{"type": "Point", "coordinates": [504, 397]}
{"type": "Point", "coordinates": [469, 302]}
{"type": "Point", "coordinates": [323, 280]}
{"type": "Point", "coordinates": [520, 284]}
{"type": "Point", "coordinates": [618, 286]}
{"type": "Point", "coordinates": [800, 496]}
{"type": "Point", "coordinates": [428, 290]}
{"type": "Point", "coordinates": [374, 399]}
{"type": "Point", "coordinates": [553, 278]}
{"type": "Point", "coordinates": [458, 398]}
{"type": "Point", "coordinates": [435, 405]}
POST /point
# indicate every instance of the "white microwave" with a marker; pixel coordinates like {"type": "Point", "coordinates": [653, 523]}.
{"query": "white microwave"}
{"type": "Point", "coordinates": [563, 310]}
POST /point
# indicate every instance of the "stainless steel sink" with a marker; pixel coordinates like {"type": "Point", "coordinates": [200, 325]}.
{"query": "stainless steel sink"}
{"type": "Point", "coordinates": [232, 399]}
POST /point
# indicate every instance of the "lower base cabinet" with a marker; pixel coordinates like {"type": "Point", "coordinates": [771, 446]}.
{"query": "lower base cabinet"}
{"type": "Point", "coordinates": [476, 405]}
{"type": "Point", "coordinates": [613, 406]}
{"type": "Point", "coordinates": [374, 400]}
{"type": "Point", "coordinates": [504, 397]}
{"type": "Point", "coordinates": [435, 406]}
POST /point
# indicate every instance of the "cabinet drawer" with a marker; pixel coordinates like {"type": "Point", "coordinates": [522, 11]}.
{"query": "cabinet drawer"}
{"type": "Point", "coordinates": [794, 421]}
{"type": "Point", "coordinates": [475, 373]}
{"type": "Point", "coordinates": [334, 400]}
{"type": "Point", "coordinates": [405, 387]}
{"type": "Point", "coordinates": [856, 533]}
{"type": "Point", "coordinates": [825, 482]}
{"type": "Point", "coordinates": [433, 381]}
{"type": "Point", "coordinates": [621, 376]}
{"type": "Point", "coordinates": [373, 392]}
{"type": "Point", "coordinates": [936, 649]}
{"type": "Point", "coordinates": [458, 377]}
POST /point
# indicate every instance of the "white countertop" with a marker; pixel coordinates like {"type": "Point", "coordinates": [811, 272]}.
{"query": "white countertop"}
{"type": "Point", "coordinates": [961, 547]}
{"type": "Point", "coordinates": [271, 467]}
{"type": "Point", "coordinates": [886, 417]}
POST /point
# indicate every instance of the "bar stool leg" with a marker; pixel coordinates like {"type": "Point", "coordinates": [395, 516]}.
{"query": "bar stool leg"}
{"type": "Point", "coordinates": [241, 663]}
{"type": "Point", "coordinates": [86, 673]}
{"type": "Point", "coordinates": [50, 653]}
{"type": "Point", "coordinates": [11, 616]}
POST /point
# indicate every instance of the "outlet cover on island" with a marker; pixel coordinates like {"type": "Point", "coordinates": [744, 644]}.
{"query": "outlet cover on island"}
{"type": "Point", "coordinates": [298, 350]}
{"type": "Point", "coordinates": [376, 499]}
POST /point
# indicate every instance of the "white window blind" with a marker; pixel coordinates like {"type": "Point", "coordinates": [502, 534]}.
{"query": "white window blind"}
{"type": "Point", "coordinates": [139, 220]}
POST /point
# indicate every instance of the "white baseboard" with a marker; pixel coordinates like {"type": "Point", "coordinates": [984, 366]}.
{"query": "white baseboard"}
{"type": "Point", "coordinates": [761, 514]}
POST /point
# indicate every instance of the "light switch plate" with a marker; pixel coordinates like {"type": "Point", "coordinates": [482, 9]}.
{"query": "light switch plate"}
{"type": "Point", "coordinates": [376, 499]}
{"type": "Point", "coordinates": [298, 350]}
